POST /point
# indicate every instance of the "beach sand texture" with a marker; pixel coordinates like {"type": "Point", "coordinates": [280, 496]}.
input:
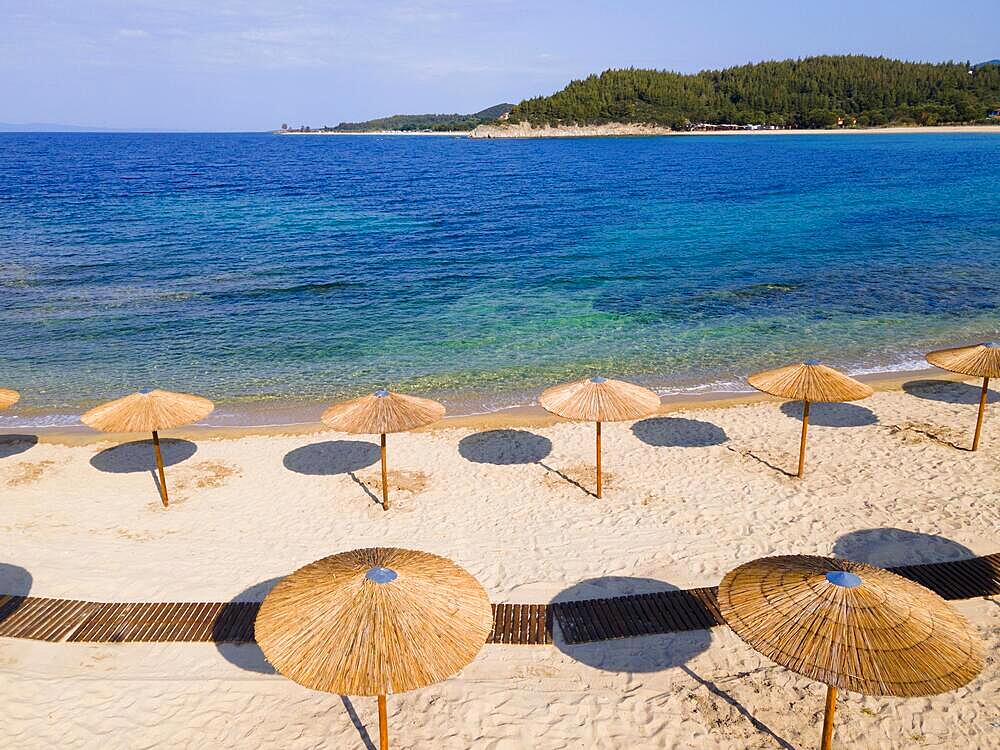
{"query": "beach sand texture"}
{"type": "Point", "coordinates": [527, 130]}
{"type": "Point", "coordinates": [689, 494]}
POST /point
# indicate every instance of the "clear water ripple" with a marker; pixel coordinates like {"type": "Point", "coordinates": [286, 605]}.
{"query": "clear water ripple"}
{"type": "Point", "coordinates": [253, 266]}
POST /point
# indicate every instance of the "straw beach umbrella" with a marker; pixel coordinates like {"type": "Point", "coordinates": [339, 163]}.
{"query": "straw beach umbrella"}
{"type": "Point", "coordinates": [8, 398]}
{"type": "Point", "coordinates": [851, 626]}
{"type": "Point", "coordinates": [809, 382]}
{"type": "Point", "coordinates": [379, 413]}
{"type": "Point", "coordinates": [149, 411]}
{"type": "Point", "coordinates": [373, 622]}
{"type": "Point", "coordinates": [599, 400]}
{"type": "Point", "coordinates": [979, 361]}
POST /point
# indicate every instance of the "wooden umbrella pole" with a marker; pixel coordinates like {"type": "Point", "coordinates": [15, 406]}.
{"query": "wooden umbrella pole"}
{"type": "Point", "coordinates": [982, 410]}
{"type": "Point", "coordinates": [159, 467]}
{"type": "Point", "coordinates": [598, 459]}
{"type": "Point", "coordinates": [383, 722]}
{"type": "Point", "coordinates": [385, 479]}
{"type": "Point", "coordinates": [831, 706]}
{"type": "Point", "coordinates": [802, 442]}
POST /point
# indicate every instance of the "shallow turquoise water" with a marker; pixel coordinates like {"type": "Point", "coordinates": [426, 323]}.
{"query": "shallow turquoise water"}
{"type": "Point", "coordinates": [249, 267]}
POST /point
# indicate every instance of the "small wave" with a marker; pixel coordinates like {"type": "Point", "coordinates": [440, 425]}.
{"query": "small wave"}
{"type": "Point", "coordinates": [41, 420]}
{"type": "Point", "coordinates": [906, 365]}
{"type": "Point", "coordinates": [718, 386]}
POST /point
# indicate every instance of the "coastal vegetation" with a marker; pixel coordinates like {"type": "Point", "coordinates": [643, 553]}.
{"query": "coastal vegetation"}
{"type": "Point", "coordinates": [814, 92]}
{"type": "Point", "coordinates": [437, 123]}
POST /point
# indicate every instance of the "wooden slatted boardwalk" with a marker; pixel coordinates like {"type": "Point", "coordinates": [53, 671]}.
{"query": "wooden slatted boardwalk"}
{"type": "Point", "coordinates": [64, 620]}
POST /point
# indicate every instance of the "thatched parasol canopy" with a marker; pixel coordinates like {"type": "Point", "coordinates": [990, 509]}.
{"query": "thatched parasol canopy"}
{"type": "Point", "coordinates": [379, 413]}
{"type": "Point", "coordinates": [978, 361]}
{"type": "Point", "coordinates": [382, 412]}
{"type": "Point", "coordinates": [600, 399]}
{"type": "Point", "coordinates": [8, 398]}
{"type": "Point", "coordinates": [374, 622]}
{"type": "Point", "coordinates": [148, 411]}
{"type": "Point", "coordinates": [809, 381]}
{"type": "Point", "coordinates": [850, 625]}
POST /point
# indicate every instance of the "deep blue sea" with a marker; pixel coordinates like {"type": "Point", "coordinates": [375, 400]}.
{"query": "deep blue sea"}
{"type": "Point", "coordinates": [257, 267]}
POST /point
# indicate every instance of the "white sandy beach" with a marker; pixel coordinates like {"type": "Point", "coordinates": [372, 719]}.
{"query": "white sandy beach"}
{"type": "Point", "coordinates": [526, 130]}
{"type": "Point", "coordinates": [689, 495]}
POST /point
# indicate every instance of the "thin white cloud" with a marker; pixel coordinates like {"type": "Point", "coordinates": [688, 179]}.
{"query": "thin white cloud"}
{"type": "Point", "coordinates": [426, 38]}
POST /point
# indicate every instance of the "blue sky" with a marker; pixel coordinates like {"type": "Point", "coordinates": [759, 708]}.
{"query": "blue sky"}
{"type": "Point", "coordinates": [222, 65]}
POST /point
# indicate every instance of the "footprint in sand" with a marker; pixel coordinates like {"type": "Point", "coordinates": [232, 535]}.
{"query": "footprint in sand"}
{"type": "Point", "coordinates": [579, 477]}
{"type": "Point", "coordinates": [28, 472]}
{"type": "Point", "coordinates": [204, 475]}
{"type": "Point", "coordinates": [138, 536]}
{"type": "Point", "coordinates": [407, 483]}
{"type": "Point", "coordinates": [923, 432]}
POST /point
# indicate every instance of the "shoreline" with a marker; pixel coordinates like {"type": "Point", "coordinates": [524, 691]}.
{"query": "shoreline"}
{"type": "Point", "coordinates": [302, 418]}
{"type": "Point", "coordinates": [619, 129]}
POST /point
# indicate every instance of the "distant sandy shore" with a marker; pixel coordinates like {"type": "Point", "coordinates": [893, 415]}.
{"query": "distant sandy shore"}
{"type": "Point", "coordinates": [524, 130]}
{"type": "Point", "coordinates": [688, 495]}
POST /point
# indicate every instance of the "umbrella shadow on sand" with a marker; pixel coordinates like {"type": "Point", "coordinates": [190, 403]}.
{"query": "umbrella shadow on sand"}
{"type": "Point", "coordinates": [138, 456]}
{"type": "Point", "coordinates": [244, 655]}
{"type": "Point", "coordinates": [15, 582]}
{"type": "Point", "coordinates": [333, 457]}
{"type": "Point", "coordinates": [889, 547]}
{"type": "Point", "coordinates": [510, 448]}
{"type": "Point", "coordinates": [678, 432]}
{"type": "Point", "coordinates": [504, 447]}
{"type": "Point", "coordinates": [948, 391]}
{"type": "Point", "coordinates": [249, 656]}
{"type": "Point", "coordinates": [11, 445]}
{"type": "Point", "coordinates": [831, 415]}
{"type": "Point", "coordinates": [646, 653]}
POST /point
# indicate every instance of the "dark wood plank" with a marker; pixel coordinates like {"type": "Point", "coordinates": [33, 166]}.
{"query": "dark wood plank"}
{"type": "Point", "coordinates": [223, 630]}
{"type": "Point", "coordinates": [501, 622]}
{"type": "Point", "coordinates": [629, 617]}
{"type": "Point", "coordinates": [194, 619]}
{"type": "Point", "coordinates": [68, 619]}
{"type": "Point", "coordinates": [9, 604]}
{"type": "Point", "coordinates": [614, 614]}
{"type": "Point", "coordinates": [709, 600]}
{"type": "Point", "coordinates": [672, 619]}
{"type": "Point", "coordinates": [32, 616]}
{"type": "Point", "coordinates": [105, 621]}
{"type": "Point", "coordinates": [492, 637]}
{"type": "Point", "coordinates": [82, 633]}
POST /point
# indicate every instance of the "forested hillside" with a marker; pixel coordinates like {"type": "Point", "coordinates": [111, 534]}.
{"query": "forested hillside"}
{"type": "Point", "coordinates": [812, 92]}
{"type": "Point", "coordinates": [426, 122]}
